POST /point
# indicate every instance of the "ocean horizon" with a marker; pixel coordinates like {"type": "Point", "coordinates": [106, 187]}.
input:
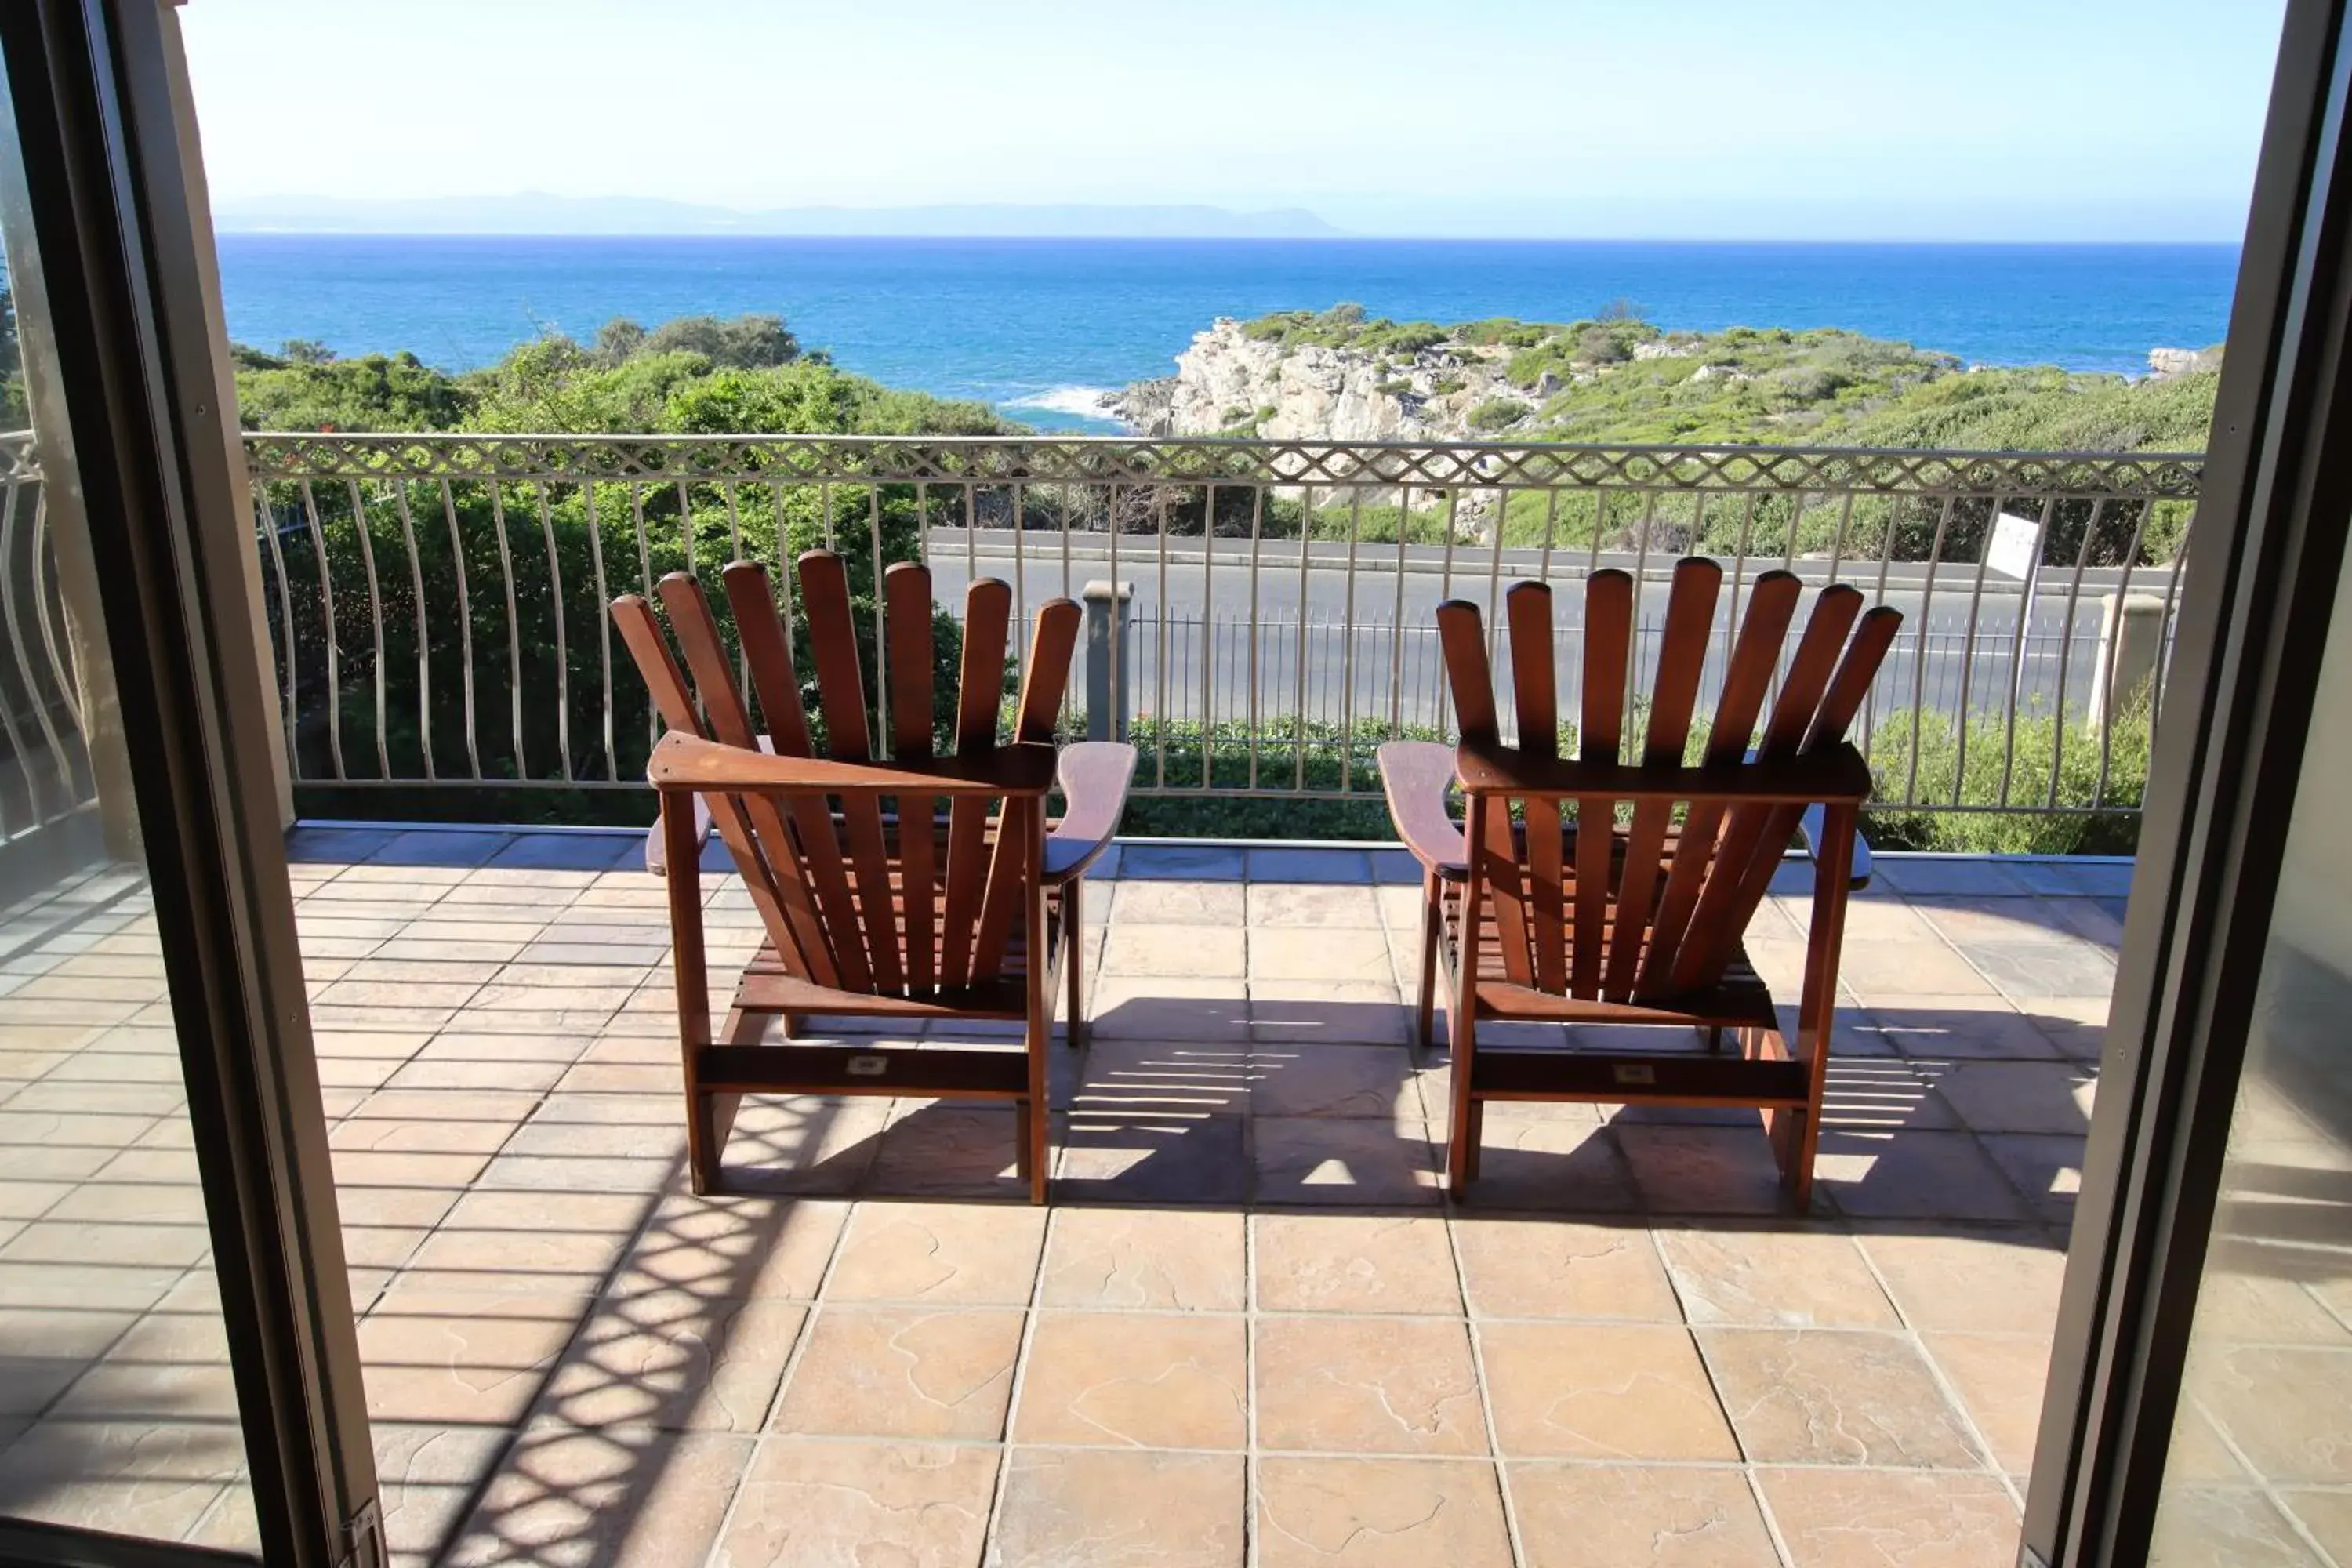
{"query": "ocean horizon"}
{"type": "Point", "coordinates": [1042, 328]}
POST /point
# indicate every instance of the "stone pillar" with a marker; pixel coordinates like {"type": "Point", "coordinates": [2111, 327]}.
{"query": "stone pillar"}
{"type": "Point", "coordinates": [2131, 642]}
{"type": "Point", "coordinates": [1109, 688]}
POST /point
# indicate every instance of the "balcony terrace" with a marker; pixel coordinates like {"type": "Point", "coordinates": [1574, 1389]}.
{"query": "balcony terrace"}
{"type": "Point", "coordinates": [1249, 1328]}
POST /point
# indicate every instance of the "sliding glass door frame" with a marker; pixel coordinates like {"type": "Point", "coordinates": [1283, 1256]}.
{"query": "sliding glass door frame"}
{"type": "Point", "coordinates": [104, 135]}
{"type": "Point", "coordinates": [2259, 586]}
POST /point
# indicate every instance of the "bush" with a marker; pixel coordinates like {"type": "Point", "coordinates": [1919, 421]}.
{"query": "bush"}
{"type": "Point", "coordinates": [1603, 346]}
{"type": "Point", "coordinates": [1316, 757]}
{"type": "Point", "coordinates": [1945, 776]}
{"type": "Point", "coordinates": [1497, 412]}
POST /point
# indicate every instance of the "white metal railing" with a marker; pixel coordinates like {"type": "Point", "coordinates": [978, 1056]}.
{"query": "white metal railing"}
{"type": "Point", "coordinates": [438, 600]}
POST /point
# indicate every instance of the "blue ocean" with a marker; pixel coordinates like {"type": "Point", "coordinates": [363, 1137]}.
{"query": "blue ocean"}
{"type": "Point", "coordinates": [1038, 327]}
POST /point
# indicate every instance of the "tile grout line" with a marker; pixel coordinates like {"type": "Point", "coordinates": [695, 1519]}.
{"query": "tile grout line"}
{"type": "Point", "coordinates": [793, 1359]}
{"type": "Point", "coordinates": [2262, 1483]}
{"type": "Point", "coordinates": [1253, 1483]}
{"type": "Point", "coordinates": [1513, 1537]}
{"type": "Point", "coordinates": [1975, 1137]}
{"type": "Point", "coordinates": [1772, 1532]}
{"type": "Point", "coordinates": [994, 1519]}
{"type": "Point", "coordinates": [1747, 1465]}
{"type": "Point", "coordinates": [1944, 1385]}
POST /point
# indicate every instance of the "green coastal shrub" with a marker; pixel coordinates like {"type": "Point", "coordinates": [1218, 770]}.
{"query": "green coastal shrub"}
{"type": "Point", "coordinates": [1497, 412]}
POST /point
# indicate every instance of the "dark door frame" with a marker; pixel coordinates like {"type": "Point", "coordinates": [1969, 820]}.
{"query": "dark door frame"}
{"type": "Point", "coordinates": [2260, 583]}
{"type": "Point", "coordinates": [102, 145]}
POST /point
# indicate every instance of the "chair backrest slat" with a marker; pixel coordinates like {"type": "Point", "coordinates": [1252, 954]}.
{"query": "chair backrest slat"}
{"type": "Point", "coordinates": [811, 853]}
{"type": "Point", "coordinates": [841, 697]}
{"type": "Point", "coordinates": [1608, 640]}
{"type": "Point", "coordinates": [1829, 725]}
{"type": "Point", "coordinates": [988, 606]}
{"type": "Point", "coordinates": [1615, 947]}
{"type": "Point", "coordinates": [803, 940]}
{"type": "Point", "coordinates": [1755, 655]}
{"type": "Point", "coordinates": [768, 864]}
{"type": "Point", "coordinates": [907, 595]}
{"type": "Point", "coordinates": [1019, 831]}
{"type": "Point", "coordinates": [1464, 641]}
{"type": "Point", "coordinates": [1673, 695]}
{"type": "Point", "coordinates": [1052, 646]}
{"type": "Point", "coordinates": [1713, 930]}
{"type": "Point", "coordinates": [1536, 682]}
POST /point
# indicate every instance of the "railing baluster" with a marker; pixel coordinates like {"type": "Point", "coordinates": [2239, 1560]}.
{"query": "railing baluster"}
{"type": "Point", "coordinates": [514, 630]}
{"type": "Point", "coordinates": [1209, 637]}
{"type": "Point", "coordinates": [464, 629]}
{"type": "Point", "coordinates": [1886, 557]}
{"type": "Point", "coordinates": [1347, 647]}
{"type": "Point", "coordinates": [2065, 649]}
{"type": "Point", "coordinates": [334, 652]}
{"type": "Point", "coordinates": [1396, 622]}
{"type": "Point", "coordinates": [287, 644]}
{"type": "Point", "coordinates": [604, 629]}
{"type": "Point", "coordinates": [375, 624]}
{"type": "Point", "coordinates": [1160, 611]}
{"type": "Point", "coordinates": [1961, 713]}
{"type": "Point", "coordinates": [2024, 624]}
{"type": "Point", "coordinates": [1257, 538]}
{"type": "Point", "coordinates": [2111, 644]}
{"type": "Point", "coordinates": [1298, 705]}
{"type": "Point", "coordinates": [880, 718]}
{"type": "Point", "coordinates": [644, 586]}
{"type": "Point", "coordinates": [424, 635]}
{"type": "Point", "coordinates": [1919, 666]}
{"type": "Point", "coordinates": [1020, 589]}
{"type": "Point", "coordinates": [563, 649]}
{"type": "Point", "coordinates": [1115, 721]}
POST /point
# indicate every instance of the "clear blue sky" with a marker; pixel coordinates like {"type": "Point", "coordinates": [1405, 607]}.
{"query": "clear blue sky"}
{"type": "Point", "coordinates": [1665, 119]}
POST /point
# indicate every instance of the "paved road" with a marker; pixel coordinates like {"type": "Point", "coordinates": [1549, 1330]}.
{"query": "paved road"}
{"type": "Point", "coordinates": [1380, 676]}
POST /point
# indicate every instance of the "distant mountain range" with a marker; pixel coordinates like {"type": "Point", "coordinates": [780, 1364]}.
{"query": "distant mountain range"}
{"type": "Point", "coordinates": [535, 212]}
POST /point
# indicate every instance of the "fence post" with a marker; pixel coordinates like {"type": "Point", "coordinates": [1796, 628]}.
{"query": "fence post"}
{"type": "Point", "coordinates": [2131, 639]}
{"type": "Point", "coordinates": [1107, 674]}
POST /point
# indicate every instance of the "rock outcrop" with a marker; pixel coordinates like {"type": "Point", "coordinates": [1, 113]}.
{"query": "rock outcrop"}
{"type": "Point", "coordinates": [1229, 382]}
{"type": "Point", "coordinates": [2165, 364]}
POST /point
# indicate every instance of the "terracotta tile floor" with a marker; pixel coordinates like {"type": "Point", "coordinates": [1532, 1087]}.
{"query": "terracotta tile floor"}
{"type": "Point", "coordinates": [1249, 1329]}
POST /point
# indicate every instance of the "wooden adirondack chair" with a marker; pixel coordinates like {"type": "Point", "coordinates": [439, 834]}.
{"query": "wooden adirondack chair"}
{"type": "Point", "coordinates": [1636, 916]}
{"type": "Point", "coordinates": [911, 912]}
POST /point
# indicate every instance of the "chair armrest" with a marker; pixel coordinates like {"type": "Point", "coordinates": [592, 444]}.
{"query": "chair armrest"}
{"type": "Point", "coordinates": [1022, 770]}
{"type": "Point", "coordinates": [657, 857]}
{"type": "Point", "coordinates": [1094, 775]}
{"type": "Point", "coordinates": [1414, 776]}
{"type": "Point", "coordinates": [1810, 829]}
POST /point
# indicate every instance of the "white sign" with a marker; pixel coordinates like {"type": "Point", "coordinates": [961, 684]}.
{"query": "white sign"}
{"type": "Point", "coordinates": [2016, 548]}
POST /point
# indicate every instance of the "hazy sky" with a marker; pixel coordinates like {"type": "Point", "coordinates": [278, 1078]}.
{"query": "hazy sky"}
{"type": "Point", "coordinates": [1732, 118]}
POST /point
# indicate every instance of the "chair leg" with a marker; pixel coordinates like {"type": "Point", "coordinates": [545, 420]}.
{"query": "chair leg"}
{"type": "Point", "coordinates": [1432, 912]}
{"type": "Point", "coordinates": [1074, 936]}
{"type": "Point", "coordinates": [709, 1117]}
{"type": "Point", "coordinates": [1034, 1125]}
{"type": "Point", "coordinates": [1461, 1140]}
